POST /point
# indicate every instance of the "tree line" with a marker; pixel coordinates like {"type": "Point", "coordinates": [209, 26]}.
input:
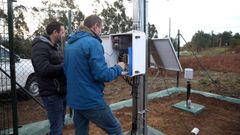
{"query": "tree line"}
{"type": "Point", "coordinates": [202, 40]}
{"type": "Point", "coordinates": [115, 18]}
{"type": "Point", "coordinates": [114, 15]}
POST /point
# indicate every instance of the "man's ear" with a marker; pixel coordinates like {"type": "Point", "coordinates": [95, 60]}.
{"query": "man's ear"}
{"type": "Point", "coordinates": [55, 32]}
{"type": "Point", "coordinates": [93, 28]}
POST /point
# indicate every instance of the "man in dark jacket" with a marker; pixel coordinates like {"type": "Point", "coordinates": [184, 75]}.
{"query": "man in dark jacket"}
{"type": "Point", "coordinates": [47, 61]}
{"type": "Point", "coordinates": [86, 72]}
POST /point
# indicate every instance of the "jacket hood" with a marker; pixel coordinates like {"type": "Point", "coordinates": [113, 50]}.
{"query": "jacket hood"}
{"type": "Point", "coordinates": [83, 32]}
{"type": "Point", "coordinates": [41, 39]}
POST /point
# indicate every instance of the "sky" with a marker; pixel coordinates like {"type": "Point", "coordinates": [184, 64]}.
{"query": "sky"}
{"type": "Point", "coordinates": [188, 16]}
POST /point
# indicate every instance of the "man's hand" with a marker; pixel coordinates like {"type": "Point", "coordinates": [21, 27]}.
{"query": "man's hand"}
{"type": "Point", "coordinates": [122, 65]}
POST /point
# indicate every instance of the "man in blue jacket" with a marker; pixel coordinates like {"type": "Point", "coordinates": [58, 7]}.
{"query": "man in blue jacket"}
{"type": "Point", "coordinates": [86, 72]}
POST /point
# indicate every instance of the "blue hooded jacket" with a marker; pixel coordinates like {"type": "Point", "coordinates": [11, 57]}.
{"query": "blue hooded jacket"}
{"type": "Point", "coordinates": [86, 71]}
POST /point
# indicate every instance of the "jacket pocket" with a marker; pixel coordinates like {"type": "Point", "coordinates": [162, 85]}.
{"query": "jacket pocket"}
{"type": "Point", "coordinates": [56, 85]}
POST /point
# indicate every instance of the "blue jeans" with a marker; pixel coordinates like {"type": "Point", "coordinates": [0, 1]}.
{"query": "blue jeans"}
{"type": "Point", "coordinates": [56, 107]}
{"type": "Point", "coordinates": [102, 117]}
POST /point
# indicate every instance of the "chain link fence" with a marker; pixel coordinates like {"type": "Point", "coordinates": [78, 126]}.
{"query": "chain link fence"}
{"type": "Point", "coordinates": [28, 22]}
{"type": "Point", "coordinates": [5, 85]}
{"type": "Point", "coordinates": [216, 70]}
{"type": "Point", "coordinates": [31, 21]}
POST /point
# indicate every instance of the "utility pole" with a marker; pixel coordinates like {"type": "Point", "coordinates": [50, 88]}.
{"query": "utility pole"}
{"type": "Point", "coordinates": [139, 109]}
{"type": "Point", "coordinates": [138, 88]}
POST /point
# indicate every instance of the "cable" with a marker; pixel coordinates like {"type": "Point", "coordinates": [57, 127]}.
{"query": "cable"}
{"type": "Point", "coordinates": [181, 118]}
{"type": "Point", "coordinates": [128, 80]}
{"type": "Point", "coordinates": [218, 87]}
{"type": "Point", "coordinates": [166, 87]}
{"type": "Point", "coordinates": [154, 79]}
{"type": "Point", "coordinates": [165, 84]}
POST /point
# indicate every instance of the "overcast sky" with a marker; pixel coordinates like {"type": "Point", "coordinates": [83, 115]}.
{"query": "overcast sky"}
{"type": "Point", "coordinates": [187, 15]}
{"type": "Point", "coordinates": [192, 15]}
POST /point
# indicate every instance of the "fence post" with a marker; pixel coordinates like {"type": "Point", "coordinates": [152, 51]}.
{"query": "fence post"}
{"type": "Point", "coordinates": [12, 68]}
{"type": "Point", "coordinates": [178, 55]}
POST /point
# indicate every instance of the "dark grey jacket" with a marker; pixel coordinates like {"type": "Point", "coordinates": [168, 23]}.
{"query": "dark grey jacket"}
{"type": "Point", "coordinates": [48, 64]}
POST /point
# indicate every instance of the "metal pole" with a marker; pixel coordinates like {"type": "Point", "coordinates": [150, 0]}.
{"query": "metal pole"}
{"type": "Point", "coordinates": [139, 123]}
{"type": "Point", "coordinates": [145, 87]}
{"type": "Point", "coordinates": [69, 22]}
{"type": "Point", "coordinates": [134, 106]}
{"type": "Point", "coordinates": [138, 15]}
{"type": "Point", "coordinates": [188, 101]}
{"type": "Point", "coordinates": [12, 68]}
{"type": "Point", "coordinates": [178, 55]}
{"type": "Point", "coordinates": [138, 81]}
{"type": "Point", "coordinates": [169, 34]}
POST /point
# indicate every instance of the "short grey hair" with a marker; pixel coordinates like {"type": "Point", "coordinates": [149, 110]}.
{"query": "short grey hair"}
{"type": "Point", "coordinates": [92, 20]}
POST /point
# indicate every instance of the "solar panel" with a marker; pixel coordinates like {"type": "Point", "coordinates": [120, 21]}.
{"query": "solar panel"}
{"type": "Point", "coordinates": [163, 55]}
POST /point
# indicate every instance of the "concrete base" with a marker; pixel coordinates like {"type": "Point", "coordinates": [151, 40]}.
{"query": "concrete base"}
{"type": "Point", "coordinates": [194, 108]}
{"type": "Point", "coordinates": [151, 131]}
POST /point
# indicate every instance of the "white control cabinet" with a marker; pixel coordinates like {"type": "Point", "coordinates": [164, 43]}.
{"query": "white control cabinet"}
{"type": "Point", "coordinates": [129, 48]}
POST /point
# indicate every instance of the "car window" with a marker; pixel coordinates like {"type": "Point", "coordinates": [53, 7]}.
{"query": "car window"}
{"type": "Point", "coordinates": [4, 55]}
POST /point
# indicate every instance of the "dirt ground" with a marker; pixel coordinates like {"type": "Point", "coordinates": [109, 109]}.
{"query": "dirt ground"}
{"type": "Point", "coordinates": [218, 117]}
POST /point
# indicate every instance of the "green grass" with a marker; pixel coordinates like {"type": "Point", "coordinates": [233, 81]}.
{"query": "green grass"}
{"type": "Point", "coordinates": [206, 52]}
{"type": "Point", "coordinates": [213, 51]}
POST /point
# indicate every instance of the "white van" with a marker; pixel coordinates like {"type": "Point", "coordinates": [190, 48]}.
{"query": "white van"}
{"type": "Point", "coordinates": [25, 75]}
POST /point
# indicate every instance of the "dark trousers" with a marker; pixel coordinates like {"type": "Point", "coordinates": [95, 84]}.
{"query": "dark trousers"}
{"type": "Point", "coordinates": [56, 108]}
{"type": "Point", "coordinates": [102, 117]}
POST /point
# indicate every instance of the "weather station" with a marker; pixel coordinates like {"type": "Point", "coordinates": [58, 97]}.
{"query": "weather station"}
{"type": "Point", "coordinates": [131, 48]}
{"type": "Point", "coordinates": [135, 49]}
{"type": "Point", "coordinates": [188, 105]}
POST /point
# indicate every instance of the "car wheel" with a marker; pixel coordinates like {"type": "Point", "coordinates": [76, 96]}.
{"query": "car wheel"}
{"type": "Point", "coordinates": [32, 86]}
